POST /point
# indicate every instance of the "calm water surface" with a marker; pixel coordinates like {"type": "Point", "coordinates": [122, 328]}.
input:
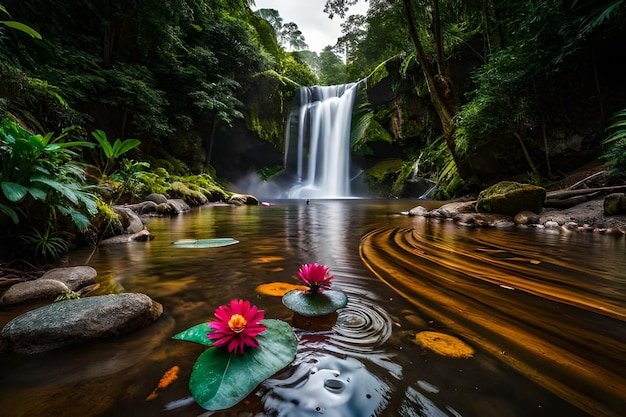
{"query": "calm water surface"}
{"type": "Point", "coordinates": [543, 311]}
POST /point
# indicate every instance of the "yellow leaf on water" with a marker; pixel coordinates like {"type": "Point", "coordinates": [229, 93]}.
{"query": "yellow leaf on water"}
{"type": "Point", "coordinates": [444, 344]}
{"type": "Point", "coordinates": [278, 289]}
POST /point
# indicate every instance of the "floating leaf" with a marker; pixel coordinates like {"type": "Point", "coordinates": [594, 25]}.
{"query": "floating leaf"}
{"type": "Point", "coordinates": [196, 334]}
{"type": "Point", "coordinates": [278, 289]}
{"type": "Point", "coordinates": [205, 243]}
{"type": "Point", "coordinates": [444, 344]}
{"type": "Point", "coordinates": [220, 379]}
{"type": "Point", "coordinates": [315, 304]}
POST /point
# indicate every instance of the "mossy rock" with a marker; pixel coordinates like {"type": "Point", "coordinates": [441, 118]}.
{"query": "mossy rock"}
{"type": "Point", "coordinates": [614, 204]}
{"type": "Point", "coordinates": [106, 222]}
{"type": "Point", "coordinates": [508, 197]}
{"type": "Point", "coordinates": [384, 169]}
{"type": "Point", "coordinates": [191, 197]}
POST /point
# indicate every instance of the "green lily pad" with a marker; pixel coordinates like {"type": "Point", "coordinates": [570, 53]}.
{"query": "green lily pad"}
{"type": "Point", "coordinates": [315, 304]}
{"type": "Point", "coordinates": [220, 379]}
{"type": "Point", "coordinates": [205, 243]}
{"type": "Point", "coordinates": [196, 334]}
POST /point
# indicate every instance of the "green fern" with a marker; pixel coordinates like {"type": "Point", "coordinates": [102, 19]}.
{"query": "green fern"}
{"type": "Point", "coordinates": [615, 154]}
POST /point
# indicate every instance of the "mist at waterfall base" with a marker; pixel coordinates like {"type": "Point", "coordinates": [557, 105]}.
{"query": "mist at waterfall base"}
{"type": "Point", "coordinates": [317, 149]}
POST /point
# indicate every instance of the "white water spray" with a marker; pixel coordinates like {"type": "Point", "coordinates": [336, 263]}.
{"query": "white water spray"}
{"type": "Point", "coordinates": [317, 142]}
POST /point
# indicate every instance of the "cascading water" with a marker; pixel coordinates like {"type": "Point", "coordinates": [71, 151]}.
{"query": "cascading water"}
{"type": "Point", "coordinates": [317, 142]}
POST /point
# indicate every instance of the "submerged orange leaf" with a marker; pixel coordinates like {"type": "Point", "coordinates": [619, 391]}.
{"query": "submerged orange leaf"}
{"type": "Point", "coordinates": [168, 377]}
{"type": "Point", "coordinates": [444, 344]}
{"type": "Point", "coordinates": [278, 289]}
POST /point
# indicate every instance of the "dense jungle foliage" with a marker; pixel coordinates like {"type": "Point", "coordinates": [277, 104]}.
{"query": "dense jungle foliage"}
{"type": "Point", "coordinates": [103, 102]}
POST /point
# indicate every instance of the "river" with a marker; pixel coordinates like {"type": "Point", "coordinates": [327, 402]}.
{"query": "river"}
{"type": "Point", "coordinates": [542, 311]}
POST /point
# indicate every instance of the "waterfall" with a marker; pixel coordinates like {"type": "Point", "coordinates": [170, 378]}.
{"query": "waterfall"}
{"type": "Point", "coordinates": [317, 142]}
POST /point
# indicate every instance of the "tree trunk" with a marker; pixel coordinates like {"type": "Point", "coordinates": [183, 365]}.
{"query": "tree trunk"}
{"type": "Point", "coordinates": [438, 84]}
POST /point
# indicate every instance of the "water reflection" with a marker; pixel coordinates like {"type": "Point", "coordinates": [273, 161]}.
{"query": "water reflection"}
{"type": "Point", "coordinates": [325, 385]}
{"type": "Point", "coordinates": [543, 312]}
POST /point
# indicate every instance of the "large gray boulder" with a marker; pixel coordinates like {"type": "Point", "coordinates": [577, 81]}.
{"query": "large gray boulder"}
{"type": "Point", "coordinates": [72, 321]}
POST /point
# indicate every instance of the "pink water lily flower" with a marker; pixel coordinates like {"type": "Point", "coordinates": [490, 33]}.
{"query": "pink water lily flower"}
{"type": "Point", "coordinates": [236, 326]}
{"type": "Point", "coordinates": [316, 277]}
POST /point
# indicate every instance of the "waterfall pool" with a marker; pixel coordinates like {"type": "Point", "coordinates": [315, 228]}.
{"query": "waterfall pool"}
{"type": "Point", "coordinates": [441, 320]}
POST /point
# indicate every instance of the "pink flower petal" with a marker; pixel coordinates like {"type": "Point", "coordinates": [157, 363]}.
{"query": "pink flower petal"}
{"type": "Point", "coordinates": [236, 340]}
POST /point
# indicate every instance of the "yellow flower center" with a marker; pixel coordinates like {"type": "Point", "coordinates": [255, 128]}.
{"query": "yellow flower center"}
{"type": "Point", "coordinates": [237, 323]}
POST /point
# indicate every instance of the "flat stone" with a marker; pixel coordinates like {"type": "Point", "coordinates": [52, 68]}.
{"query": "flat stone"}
{"type": "Point", "coordinates": [33, 290]}
{"type": "Point", "coordinates": [141, 236]}
{"type": "Point", "coordinates": [51, 284]}
{"type": "Point", "coordinates": [73, 321]}
{"type": "Point", "coordinates": [453, 209]}
{"type": "Point", "coordinates": [75, 277]}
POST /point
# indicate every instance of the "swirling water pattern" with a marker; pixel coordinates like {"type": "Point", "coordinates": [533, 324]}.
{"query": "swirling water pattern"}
{"type": "Point", "coordinates": [520, 296]}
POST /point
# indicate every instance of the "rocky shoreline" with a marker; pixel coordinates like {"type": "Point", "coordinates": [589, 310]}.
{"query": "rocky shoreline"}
{"type": "Point", "coordinates": [583, 200]}
{"type": "Point", "coordinates": [588, 216]}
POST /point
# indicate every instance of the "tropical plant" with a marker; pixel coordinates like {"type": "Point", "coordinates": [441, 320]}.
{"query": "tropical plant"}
{"type": "Point", "coordinates": [42, 168]}
{"type": "Point", "coordinates": [41, 182]}
{"type": "Point", "coordinates": [615, 154]}
{"type": "Point", "coordinates": [128, 174]}
{"type": "Point", "coordinates": [19, 26]}
{"type": "Point", "coordinates": [107, 165]}
{"type": "Point", "coordinates": [183, 71]}
{"type": "Point", "coordinates": [48, 245]}
{"type": "Point", "coordinates": [617, 129]}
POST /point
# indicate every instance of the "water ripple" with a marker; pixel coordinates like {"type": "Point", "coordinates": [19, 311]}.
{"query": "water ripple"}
{"type": "Point", "coordinates": [530, 308]}
{"type": "Point", "coordinates": [362, 327]}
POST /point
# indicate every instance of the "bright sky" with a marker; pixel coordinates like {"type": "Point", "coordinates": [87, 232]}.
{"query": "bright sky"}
{"type": "Point", "coordinates": [319, 31]}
